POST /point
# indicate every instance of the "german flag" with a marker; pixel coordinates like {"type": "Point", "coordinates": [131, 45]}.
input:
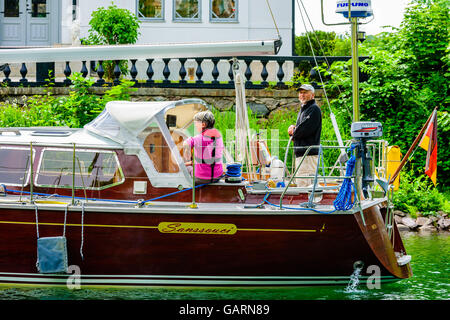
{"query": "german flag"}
{"type": "Point", "coordinates": [429, 143]}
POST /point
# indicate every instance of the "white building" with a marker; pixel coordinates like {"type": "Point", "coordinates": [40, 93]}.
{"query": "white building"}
{"type": "Point", "coordinates": [59, 22]}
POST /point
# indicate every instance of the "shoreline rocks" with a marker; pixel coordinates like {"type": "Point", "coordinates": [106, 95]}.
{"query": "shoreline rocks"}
{"type": "Point", "coordinates": [406, 223]}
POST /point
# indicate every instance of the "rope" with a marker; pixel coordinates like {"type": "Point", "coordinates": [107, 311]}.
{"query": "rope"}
{"type": "Point", "coordinates": [37, 221]}
{"type": "Point", "coordinates": [60, 196]}
{"type": "Point", "coordinates": [65, 220]}
{"type": "Point", "coordinates": [82, 231]}
{"type": "Point", "coordinates": [234, 170]}
{"type": "Point", "coordinates": [343, 200]}
{"type": "Point", "coordinates": [37, 233]}
{"type": "Point", "coordinates": [273, 19]}
{"type": "Point", "coordinates": [307, 209]}
{"type": "Point", "coordinates": [108, 200]}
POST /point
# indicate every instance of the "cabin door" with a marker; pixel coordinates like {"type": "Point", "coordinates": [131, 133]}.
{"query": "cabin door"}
{"type": "Point", "coordinates": [27, 22]}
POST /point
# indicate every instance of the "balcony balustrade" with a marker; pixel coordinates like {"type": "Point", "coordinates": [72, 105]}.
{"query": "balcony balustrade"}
{"type": "Point", "coordinates": [216, 73]}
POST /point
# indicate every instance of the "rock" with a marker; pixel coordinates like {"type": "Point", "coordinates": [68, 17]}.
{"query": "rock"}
{"type": "Point", "coordinates": [399, 213]}
{"type": "Point", "coordinates": [402, 227]}
{"type": "Point", "coordinates": [423, 221]}
{"type": "Point", "coordinates": [427, 228]}
{"type": "Point", "coordinates": [260, 109]}
{"type": "Point", "coordinates": [409, 222]}
{"type": "Point", "coordinates": [434, 219]}
{"type": "Point", "coordinates": [444, 223]}
{"type": "Point", "coordinates": [397, 219]}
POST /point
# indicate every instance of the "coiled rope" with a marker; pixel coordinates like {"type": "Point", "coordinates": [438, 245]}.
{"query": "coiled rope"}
{"type": "Point", "coordinates": [343, 200]}
{"type": "Point", "coordinates": [234, 170]}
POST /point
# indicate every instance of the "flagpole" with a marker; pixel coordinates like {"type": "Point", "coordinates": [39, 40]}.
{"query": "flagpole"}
{"type": "Point", "coordinates": [411, 149]}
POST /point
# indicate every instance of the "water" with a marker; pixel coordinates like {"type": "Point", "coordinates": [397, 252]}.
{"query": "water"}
{"type": "Point", "coordinates": [352, 287]}
{"type": "Point", "coordinates": [430, 281]}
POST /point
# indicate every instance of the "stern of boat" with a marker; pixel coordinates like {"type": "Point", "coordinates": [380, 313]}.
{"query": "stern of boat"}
{"type": "Point", "coordinates": [385, 240]}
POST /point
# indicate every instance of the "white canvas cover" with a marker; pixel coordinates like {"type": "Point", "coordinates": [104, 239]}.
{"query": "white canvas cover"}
{"type": "Point", "coordinates": [124, 121]}
{"type": "Point", "coordinates": [135, 116]}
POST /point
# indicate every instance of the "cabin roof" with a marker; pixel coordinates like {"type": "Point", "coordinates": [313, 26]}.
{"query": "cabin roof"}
{"type": "Point", "coordinates": [52, 136]}
{"type": "Point", "coordinates": [135, 116]}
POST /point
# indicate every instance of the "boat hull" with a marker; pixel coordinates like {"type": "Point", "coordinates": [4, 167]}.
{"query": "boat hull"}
{"type": "Point", "coordinates": [132, 248]}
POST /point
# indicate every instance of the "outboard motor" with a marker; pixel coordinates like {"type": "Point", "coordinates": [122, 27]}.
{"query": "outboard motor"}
{"type": "Point", "coordinates": [362, 132]}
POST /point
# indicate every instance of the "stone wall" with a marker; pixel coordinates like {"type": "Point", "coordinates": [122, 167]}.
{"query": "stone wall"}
{"type": "Point", "coordinates": [263, 102]}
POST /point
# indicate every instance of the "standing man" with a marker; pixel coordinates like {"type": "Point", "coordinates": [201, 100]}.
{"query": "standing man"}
{"type": "Point", "coordinates": [305, 133]}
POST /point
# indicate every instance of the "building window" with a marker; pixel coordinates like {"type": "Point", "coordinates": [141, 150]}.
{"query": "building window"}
{"type": "Point", "coordinates": [150, 9]}
{"type": "Point", "coordinates": [39, 8]}
{"type": "Point", "coordinates": [187, 10]}
{"type": "Point", "coordinates": [11, 9]}
{"type": "Point", "coordinates": [95, 170]}
{"type": "Point", "coordinates": [224, 10]}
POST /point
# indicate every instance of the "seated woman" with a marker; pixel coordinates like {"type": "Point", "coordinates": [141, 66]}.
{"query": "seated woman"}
{"type": "Point", "coordinates": [208, 149]}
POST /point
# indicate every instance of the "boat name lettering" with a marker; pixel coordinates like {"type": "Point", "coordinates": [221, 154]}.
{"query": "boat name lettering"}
{"type": "Point", "coordinates": [197, 228]}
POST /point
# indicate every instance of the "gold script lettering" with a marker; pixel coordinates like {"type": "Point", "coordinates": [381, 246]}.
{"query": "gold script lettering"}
{"type": "Point", "coordinates": [197, 228]}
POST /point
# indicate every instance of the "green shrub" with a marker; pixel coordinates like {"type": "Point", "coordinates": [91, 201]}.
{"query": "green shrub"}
{"type": "Point", "coordinates": [417, 194]}
{"type": "Point", "coordinates": [111, 26]}
{"type": "Point", "coordinates": [75, 110]}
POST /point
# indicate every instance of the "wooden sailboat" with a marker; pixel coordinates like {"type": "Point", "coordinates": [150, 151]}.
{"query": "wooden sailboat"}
{"type": "Point", "coordinates": [110, 204]}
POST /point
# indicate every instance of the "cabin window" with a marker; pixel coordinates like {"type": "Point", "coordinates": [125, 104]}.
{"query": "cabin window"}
{"type": "Point", "coordinates": [157, 149]}
{"type": "Point", "coordinates": [150, 9]}
{"type": "Point", "coordinates": [14, 166]}
{"type": "Point", "coordinates": [94, 169]}
{"type": "Point", "coordinates": [223, 10]}
{"type": "Point", "coordinates": [186, 10]}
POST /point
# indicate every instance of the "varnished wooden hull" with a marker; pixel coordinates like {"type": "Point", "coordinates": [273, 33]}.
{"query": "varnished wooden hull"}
{"type": "Point", "coordinates": [265, 249]}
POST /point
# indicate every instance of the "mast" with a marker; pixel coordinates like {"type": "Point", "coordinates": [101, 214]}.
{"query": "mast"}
{"type": "Point", "coordinates": [354, 10]}
{"type": "Point", "coordinates": [355, 69]}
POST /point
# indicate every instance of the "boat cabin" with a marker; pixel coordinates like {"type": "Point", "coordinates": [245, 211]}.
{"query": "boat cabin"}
{"type": "Point", "coordinates": [135, 141]}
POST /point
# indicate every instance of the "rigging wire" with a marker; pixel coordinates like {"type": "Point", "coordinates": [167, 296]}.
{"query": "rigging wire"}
{"type": "Point", "coordinates": [332, 116]}
{"type": "Point", "coordinates": [273, 19]}
{"type": "Point", "coordinates": [321, 48]}
{"type": "Point", "coordinates": [314, 55]}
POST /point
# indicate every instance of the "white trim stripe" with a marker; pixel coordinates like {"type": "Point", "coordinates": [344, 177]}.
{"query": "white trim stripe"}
{"type": "Point", "coordinates": [161, 280]}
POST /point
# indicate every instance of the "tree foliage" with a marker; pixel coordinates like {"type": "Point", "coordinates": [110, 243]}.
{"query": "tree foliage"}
{"type": "Point", "coordinates": [408, 78]}
{"type": "Point", "coordinates": [112, 26]}
{"type": "Point", "coordinates": [323, 44]}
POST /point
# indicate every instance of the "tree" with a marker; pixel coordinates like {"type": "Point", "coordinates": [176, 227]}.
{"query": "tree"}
{"type": "Point", "coordinates": [112, 26]}
{"type": "Point", "coordinates": [408, 78]}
